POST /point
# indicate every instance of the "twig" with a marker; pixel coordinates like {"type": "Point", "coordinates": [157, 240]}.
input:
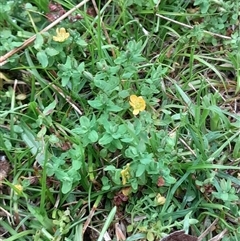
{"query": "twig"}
{"type": "Point", "coordinates": [68, 99]}
{"type": "Point", "coordinates": [191, 27]}
{"type": "Point", "coordinates": [188, 147]}
{"type": "Point", "coordinates": [219, 236]}
{"type": "Point", "coordinates": [104, 28]}
{"type": "Point", "coordinates": [208, 230]}
{"type": "Point", "coordinates": [95, 205]}
{"type": "Point", "coordinates": [3, 59]}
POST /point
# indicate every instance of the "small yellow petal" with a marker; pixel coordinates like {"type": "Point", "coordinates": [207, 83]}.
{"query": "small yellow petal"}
{"type": "Point", "coordinates": [125, 173]}
{"type": "Point", "coordinates": [160, 200]}
{"type": "Point", "coordinates": [61, 36]}
{"type": "Point", "coordinates": [127, 191]}
{"type": "Point", "coordinates": [63, 32]}
{"type": "Point", "coordinates": [133, 98]}
{"type": "Point", "coordinates": [138, 104]}
{"type": "Point", "coordinates": [18, 189]}
{"type": "Point", "coordinates": [135, 112]}
{"type": "Point", "coordinates": [4, 77]}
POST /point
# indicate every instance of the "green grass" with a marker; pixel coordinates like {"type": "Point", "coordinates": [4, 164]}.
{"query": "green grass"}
{"type": "Point", "coordinates": [82, 165]}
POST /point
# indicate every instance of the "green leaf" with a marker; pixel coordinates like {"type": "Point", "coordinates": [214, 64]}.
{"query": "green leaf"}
{"type": "Point", "coordinates": [121, 129]}
{"type": "Point", "coordinates": [97, 104]}
{"type": "Point", "coordinates": [147, 160]}
{"type": "Point", "coordinates": [123, 93]}
{"type": "Point", "coordinates": [81, 42]}
{"type": "Point", "coordinates": [85, 122]}
{"type": "Point", "coordinates": [49, 109]}
{"type": "Point", "coordinates": [79, 130]}
{"type": "Point", "coordinates": [105, 182]}
{"type": "Point", "coordinates": [51, 51]}
{"type": "Point", "coordinates": [66, 185]}
{"type": "Point", "coordinates": [40, 216]}
{"type": "Point", "coordinates": [76, 164]}
{"type": "Point", "coordinates": [6, 33]}
{"type": "Point", "coordinates": [42, 58]}
{"type": "Point", "coordinates": [110, 168]}
{"type": "Point", "coordinates": [81, 67]}
{"type": "Point", "coordinates": [38, 43]}
{"type": "Point", "coordinates": [88, 75]}
{"type": "Point", "coordinates": [131, 152]}
{"type": "Point", "coordinates": [150, 236]}
{"type": "Point", "coordinates": [53, 139]}
{"type": "Point", "coordinates": [140, 170]}
{"type": "Point", "coordinates": [17, 129]}
{"type": "Point", "coordinates": [117, 144]}
{"type": "Point", "coordinates": [65, 80]}
{"type": "Point", "coordinates": [106, 139]}
{"type": "Point", "coordinates": [204, 5]}
{"type": "Point", "coordinates": [127, 139]}
{"type": "Point", "coordinates": [114, 108]}
{"type": "Point", "coordinates": [93, 136]}
{"type": "Point", "coordinates": [29, 137]}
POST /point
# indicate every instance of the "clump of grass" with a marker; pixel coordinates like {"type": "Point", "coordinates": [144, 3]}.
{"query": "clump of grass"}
{"type": "Point", "coordinates": [118, 123]}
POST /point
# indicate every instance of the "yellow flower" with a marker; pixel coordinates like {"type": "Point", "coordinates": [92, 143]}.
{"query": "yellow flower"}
{"type": "Point", "coordinates": [125, 174]}
{"type": "Point", "coordinates": [62, 35]}
{"type": "Point", "coordinates": [160, 200]}
{"type": "Point", "coordinates": [138, 104]}
{"type": "Point", "coordinates": [18, 189]}
{"type": "Point", "coordinates": [126, 191]}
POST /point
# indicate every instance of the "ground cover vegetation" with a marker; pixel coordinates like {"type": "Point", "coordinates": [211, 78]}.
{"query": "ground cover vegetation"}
{"type": "Point", "coordinates": [119, 120]}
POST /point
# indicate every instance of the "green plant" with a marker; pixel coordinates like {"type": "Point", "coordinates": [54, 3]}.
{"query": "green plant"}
{"type": "Point", "coordinates": [225, 191]}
